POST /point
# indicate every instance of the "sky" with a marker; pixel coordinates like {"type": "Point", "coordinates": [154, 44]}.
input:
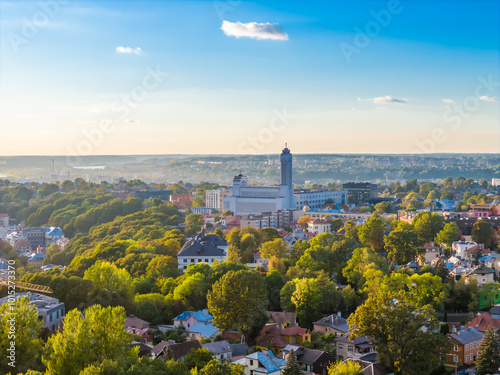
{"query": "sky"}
{"type": "Point", "coordinates": [246, 77]}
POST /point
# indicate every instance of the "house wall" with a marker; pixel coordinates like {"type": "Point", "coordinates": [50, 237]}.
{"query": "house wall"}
{"type": "Point", "coordinates": [467, 354]}
{"type": "Point", "coordinates": [327, 329]}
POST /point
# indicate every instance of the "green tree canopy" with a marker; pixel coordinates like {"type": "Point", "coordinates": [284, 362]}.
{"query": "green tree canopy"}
{"type": "Point", "coordinates": [372, 233]}
{"type": "Point", "coordinates": [428, 224]}
{"type": "Point", "coordinates": [21, 315]}
{"type": "Point", "coordinates": [238, 300]}
{"type": "Point", "coordinates": [87, 340]}
{"type": "Point", "coordinates": [403, 244]}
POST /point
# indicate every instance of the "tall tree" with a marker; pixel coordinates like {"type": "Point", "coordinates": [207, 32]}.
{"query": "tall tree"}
{"type": "Point", "coordinates": [238, 300]}
{"type": "Point", "coordinates": [87, 340]}
{"type": "Point", "coordinates": [448, 234]}
{"type": "Point", "coordinates": [23, 317]}
{"type": "Point", "coordinates": [292, 366]}
{"type": "Point", "coordinates": [482, 232]}
{"type": "Point", "coordinates": [428, 224]}
{"type": "Point", "coordinates": [405, 335]}
{"type": "Point", "coordinates": [488, 360]}
{"type": "Point", "coordinates": [275, 248]}
{"type": "Point", "coordinates": [306, 298]}
{"type": "Point", "coordinates": [402, 244]}
{"type": "Point", "coordinates": [372, 233]}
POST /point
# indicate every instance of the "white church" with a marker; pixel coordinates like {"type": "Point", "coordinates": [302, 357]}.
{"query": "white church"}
{"type": "Point", "coordinates": [244, 199]}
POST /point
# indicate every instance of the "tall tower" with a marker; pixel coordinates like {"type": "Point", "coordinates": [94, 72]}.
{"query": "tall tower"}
{"type": "Point", "coordinates": [286, 177]}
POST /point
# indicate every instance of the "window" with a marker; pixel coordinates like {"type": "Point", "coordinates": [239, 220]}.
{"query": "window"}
{"type": "Point", "coordinates": [466, 358]}
{"type": "Point", "coordinates": [199, 260]}
{"type": "Point", "coordinates": [455, 348]}
{"type": "Point", "coordinates": [251, 362]}
{"type": "Point", "coordinates": [185, 260]}
{"type": "Point", "coordinates": [50, 317]}
{"type": "Point", "coordinates": [57, 314]}
{"type": "Point", "coordinates": [341, 347]}
{"type": "Point", "coordinates": [192, 260]}
{"type": "Point", "coordinates": [350, 348]}
{"type": "Point", "coordinates": [455, 358]}
{"type": "Point", "coordinates": [206, 260]}
{"type": "Point", "coordinates": [466, 347]}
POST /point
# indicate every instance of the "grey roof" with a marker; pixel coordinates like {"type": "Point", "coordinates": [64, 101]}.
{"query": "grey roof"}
{"type": "Point", "coordinates": [203, 244]}
{"type": "Point", "coordinates": [483, 270]}
{"type": "Point", "coordinates": [334, 321]}
{"type": "Point", "coordinates": [495, 310]}
{"type": "Point", "coordinates": [466, 336]}
{"type": "Point", "coordinates": [218, 347]}
{"type": "Point", "coordinates": [357, 341]}
{"type": "Point", "coordinates": [239, 349]}
{"type": "Point", "coordinates": [307, 356]}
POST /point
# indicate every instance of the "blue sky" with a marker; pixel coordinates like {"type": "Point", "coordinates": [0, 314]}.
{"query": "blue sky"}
{"type": "Point", "coordinates": [422, 76]}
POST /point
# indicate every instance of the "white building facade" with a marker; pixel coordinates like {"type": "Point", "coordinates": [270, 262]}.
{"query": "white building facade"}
{"type": "Point", "coordinates": [244, 199]}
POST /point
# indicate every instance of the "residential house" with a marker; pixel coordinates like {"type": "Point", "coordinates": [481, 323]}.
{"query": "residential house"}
{"type": "Point", "coordinates": [203, 248]}
{"type": "Point", "coordinates": [465, 346]}
{"type": "Point", "coordinates": [203, 330]}
{"type": "Point", "coordinates": [283, 318]}
{"type": "Point", "coordinates": [474, 253]}
{"type": "Point", "coordinates": [53, 235]}
{"type": "Point", "coordinates": [221, 349]}
{"type": "Point", "coordinates": [190, 318]}
{"type": "Point", "coordinates": [181, 349]}
{"type": "Point", "coordinates": [495, 312]}
{"type": "Point", "coordinates": [146, 337]}
{"type": "Point", "coordinates": [295, 335]}
{"type": "Point", "coordinates": [37, 260]}
{"type": "Point", "coordinates": [482, 275]}
{"type": "Point", "coordinates": [135, 322]}
{"type": "Point", "coordinates": [431, 251]}
{"type": "Point", "coordinates": [270, 337]}
{"type": "Point", "coordinates": [297, 235]}
{"type": "Point", "coordinates": [459, 247]}
{"type": "Point", "coordinates": [483, 321]}
{"type": "Point", "coordinates": [22, 246]}
{"type": "Point", "coordinates": [238, 351]}
{"type": "Point", "coordinates": [319, 226]}
{"type": "Point", "coordinates": [260, 363]}
{"type": "Point", "coordinates": [181, 201]}
{"type": "Point", "coordinates": [492, 261]}
{"type": "Point", "coordinates": [313, 361]}
{"type": "Point", "coordinates": [50, 311]}
{"type": "Point", "coordinates": [353, 348]}
{"type": "Point", "coordinates": [334, 324]}
{"type": "Point", "coordinates": [160, 349]}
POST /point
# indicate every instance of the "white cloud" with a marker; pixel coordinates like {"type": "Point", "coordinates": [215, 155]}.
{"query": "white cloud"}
{"type": "Point", "coordinates": [130, 51]}
{"type": "Point", "coordinates": [448, 101]}
{"type": "Point", "coordinates": [254, 30]}
{"type": "Point", "coordinates": [488, 98]}
{"type": "Point", "coordinates": [389, 100]}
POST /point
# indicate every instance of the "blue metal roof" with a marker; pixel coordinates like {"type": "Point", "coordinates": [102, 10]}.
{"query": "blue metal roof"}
{"type": "Point", "coordinates": [204, 329]}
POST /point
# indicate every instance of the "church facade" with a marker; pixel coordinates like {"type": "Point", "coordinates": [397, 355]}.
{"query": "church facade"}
{"type": "Point", "coordinates": [244, 199]}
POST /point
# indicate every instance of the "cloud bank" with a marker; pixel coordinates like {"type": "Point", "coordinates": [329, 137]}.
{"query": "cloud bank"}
{"type": "Point", "coordinates": [488, 98]}
{"type": "Point", "coordinates": [389, 100]}
{"type": "Point", "coordinates": [254, 30]}
{"type": "Point", "coordinates": [130, 51]}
